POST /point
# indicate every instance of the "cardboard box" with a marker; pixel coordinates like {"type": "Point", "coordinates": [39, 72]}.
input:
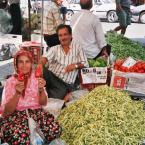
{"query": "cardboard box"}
{"type": "Point", "coordinates": [134, 82]}
{"type": "Point", "coordinates": [93, 77]}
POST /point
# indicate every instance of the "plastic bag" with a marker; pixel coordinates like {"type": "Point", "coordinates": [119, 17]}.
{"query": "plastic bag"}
{"type": "Point", "coordinates": [58, 142]}
{"type": "Point", "coordinates": [5, 22]}
{"type": "Point", "coordinates": [36, 135]}
{"type": "Point", "coordinates": [54, 106]}
{"type": "Point", "coordinates": [76, 95]}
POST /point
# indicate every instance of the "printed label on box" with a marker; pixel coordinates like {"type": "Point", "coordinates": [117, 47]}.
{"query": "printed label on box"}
{"type": "Point", "coordinates": [94, 75]}
{"type": "Point", "coordinates": [134, 82]}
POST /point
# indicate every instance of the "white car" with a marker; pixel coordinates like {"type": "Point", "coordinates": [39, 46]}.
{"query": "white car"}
{"type": "Point", "coordinates": [138, 14]}
{"type": "Point", "coordinates": [106, 9]}
{"type": "Point", "coordinates": [101, 8]}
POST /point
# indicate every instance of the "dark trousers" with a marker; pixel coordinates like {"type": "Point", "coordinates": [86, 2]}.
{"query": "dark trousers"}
{"type": "Point", "coordinates": [55, 87]}
{"type": "Point", "coordinates": [16, 19]}
{"type": "Point", "coordinates": [51, 40]}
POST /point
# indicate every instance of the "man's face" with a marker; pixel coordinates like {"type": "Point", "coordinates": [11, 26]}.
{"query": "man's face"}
{"type": "Point", "coordinates": [59, 2]}
{"type": "Point", "coordinates": [64, 37]}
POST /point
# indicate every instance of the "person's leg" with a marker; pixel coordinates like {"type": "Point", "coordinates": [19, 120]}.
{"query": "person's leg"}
{"type": "Point", "coordinates": [55, 87]}
{"type": "Point", "coordinates": [15, 128]}
{"type": "Point", "coordinates": [49, 127]}
{"type": "Point", "coordinates": [122, 21]}
{"type": "Point", "coordinates": [16, 19]}
{"type": "Point", "coordinates": [123, 30]}
{"type": "Point", "coordinates": [127, 20]}
{"type": "Point", "coordinates": [118, 28]}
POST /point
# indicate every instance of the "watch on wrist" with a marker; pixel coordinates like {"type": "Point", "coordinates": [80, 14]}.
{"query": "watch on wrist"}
{"type": "Point", "coordinates": [76, 66]}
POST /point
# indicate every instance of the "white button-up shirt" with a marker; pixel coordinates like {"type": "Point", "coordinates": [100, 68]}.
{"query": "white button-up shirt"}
{"type": "Point", "coordinates": [88, 32]}
{"type": "Point", "coordinates": [58, 61]}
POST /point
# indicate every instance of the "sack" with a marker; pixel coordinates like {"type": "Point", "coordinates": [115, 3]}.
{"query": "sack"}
{"type": "Point", "coordinates": [7, 51]}
{"type": "Point", "coordinates": [76, 95]}
{"type": "Point", "coordinates": [36, 135]}
{"type": "Point", "coordinates": [133, 82]}
{"type": "Point", "coordinates": [54, 106]}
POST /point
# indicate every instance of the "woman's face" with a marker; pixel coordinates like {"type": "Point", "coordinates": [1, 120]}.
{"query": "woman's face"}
{"type": "Point", "coordinates": [24, 64]}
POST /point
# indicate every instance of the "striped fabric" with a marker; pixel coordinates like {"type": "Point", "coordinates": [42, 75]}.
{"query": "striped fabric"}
{"type": "Point", "coordinates": [58, 60]}
{"type": "Point", "coordinates": [51, 18]}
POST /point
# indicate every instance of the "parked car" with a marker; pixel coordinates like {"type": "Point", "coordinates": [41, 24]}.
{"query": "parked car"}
{"type": "Point", "coordinates": [106, 9]}
{"type": "Point", "coordinates": [74, 7]}
{"type": "Point", "coordinates": [138, 14]}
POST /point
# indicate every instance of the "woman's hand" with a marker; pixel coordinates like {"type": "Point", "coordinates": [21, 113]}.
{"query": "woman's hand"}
{"type": "Point", "coordinates": [42, 93]}
{"type": "Point", "coordinates": [20, 87]}
{"type": "Point", "coordinates": [41, 83]}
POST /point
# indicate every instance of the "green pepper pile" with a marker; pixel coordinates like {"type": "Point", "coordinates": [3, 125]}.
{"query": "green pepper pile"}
{"type": "Point", "coordinates": [123, 47]}
{"type": "Point", "coordinates": [103, 117]}
{"type": "Point", "coordinates": [99, 62]}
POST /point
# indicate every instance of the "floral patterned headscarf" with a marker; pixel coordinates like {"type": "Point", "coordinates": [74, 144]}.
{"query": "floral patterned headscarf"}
{"type": "Point", "coordinates": [22, 53]}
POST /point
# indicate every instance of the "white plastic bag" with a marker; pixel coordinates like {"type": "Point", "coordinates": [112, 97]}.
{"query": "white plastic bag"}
{"type": "Point", "coordinates": [76, 95]}
{"type": "Point", "coordinates": [58, 142]}
{"type": "Point", "coordinates": [54, 106]}
{"type": "Point", "coordinates": [36, 135]}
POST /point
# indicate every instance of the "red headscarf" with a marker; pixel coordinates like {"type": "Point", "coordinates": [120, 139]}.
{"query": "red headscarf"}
{"type": "Point", "coordinates": [21, 53]}
{"type": "Point", "coordinates": [25, 76]}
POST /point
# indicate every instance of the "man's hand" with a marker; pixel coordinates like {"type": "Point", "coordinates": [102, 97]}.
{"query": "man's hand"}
{"type": "Point", "coordinates": [20, 87]}
{"type": "Point", "coordinates": [70, 67]}
{"type": "Point", "coordinates": [105, 53]}
{"type": "Point", "coordinates": [43, 60]}
{"type": "Point", "coordinates": [118, 7]}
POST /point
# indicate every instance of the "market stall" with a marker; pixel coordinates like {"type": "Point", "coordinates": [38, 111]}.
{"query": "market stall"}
{"type": "Point", "coordinates": [101, 110]}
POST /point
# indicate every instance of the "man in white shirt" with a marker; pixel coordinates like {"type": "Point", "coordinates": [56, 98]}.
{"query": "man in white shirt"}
{"type": "Point", "coordinates": [87, 30]}
{"type": "Point", "coordinates": [64, 60]}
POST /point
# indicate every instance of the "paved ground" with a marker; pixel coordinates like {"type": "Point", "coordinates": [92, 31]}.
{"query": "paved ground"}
{"type": "Point", "coordinates": [135, 31]}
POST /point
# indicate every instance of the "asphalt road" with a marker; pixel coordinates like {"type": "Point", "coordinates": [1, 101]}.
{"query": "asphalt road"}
{"type": "Point", "coordinates": [135, 31]}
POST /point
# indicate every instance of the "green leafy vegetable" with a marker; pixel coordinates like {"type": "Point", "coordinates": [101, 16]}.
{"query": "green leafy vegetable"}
{"type": "Point", "coordinates": [123, 47]}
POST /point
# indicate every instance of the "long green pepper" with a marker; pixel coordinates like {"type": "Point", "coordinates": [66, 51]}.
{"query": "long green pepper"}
{"type": "Point", "coordinates": [103, 117]}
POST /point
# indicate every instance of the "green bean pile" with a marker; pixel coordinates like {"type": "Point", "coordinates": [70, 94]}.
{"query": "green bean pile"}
{"type": "Point", "coordinates": [123, 47]}
{"type": "Point", "coordinates": [103, 117]}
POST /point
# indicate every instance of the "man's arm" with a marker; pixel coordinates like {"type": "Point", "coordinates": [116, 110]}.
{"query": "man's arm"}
{"type": "Point", "coordinates": [99, 35]}
{"type": "Point", "coordinates": [57, 17]}
{"type": "Point", "coordinates": [82, 61]}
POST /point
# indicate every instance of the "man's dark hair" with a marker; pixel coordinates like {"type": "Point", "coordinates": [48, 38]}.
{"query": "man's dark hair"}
{"type": "Point", "coordinates": [62, 26]}
{"type": "Point", "coordinates": [86, 5]}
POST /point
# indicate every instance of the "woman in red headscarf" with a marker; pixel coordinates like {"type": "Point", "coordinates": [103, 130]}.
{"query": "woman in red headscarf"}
{"type": "Point", "coordinates": [23, 91]}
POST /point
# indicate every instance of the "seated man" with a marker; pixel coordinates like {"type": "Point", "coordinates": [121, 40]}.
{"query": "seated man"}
{"type": "Point", "coordinates": [63, 60]}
